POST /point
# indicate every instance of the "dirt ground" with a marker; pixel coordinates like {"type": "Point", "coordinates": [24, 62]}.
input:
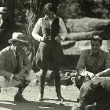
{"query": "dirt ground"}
{"type": "Point", "coordinates": [70, 93]}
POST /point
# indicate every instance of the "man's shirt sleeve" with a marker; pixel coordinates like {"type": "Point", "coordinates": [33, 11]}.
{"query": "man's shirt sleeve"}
{"type": "Point", "coordinates": [36, 30]}
{"type": "Point", "coordinates": [2, 66]}
{"type": "Point", "coordinates": [107, 60]}
{"type": "Point", "coordinates": [63, 29]}
{"type": "Point", "coordinates": [82, 60]}
{"type": "Point", "coordinates": [106, 72]}
{"type": "Point", "coordinates": [27, 64]}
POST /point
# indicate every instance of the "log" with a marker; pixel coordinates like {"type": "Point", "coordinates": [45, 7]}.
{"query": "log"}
{"type": "Point", "coordinates": [87, 24]}
{"type": "Point", "coordinates": [83, 35]}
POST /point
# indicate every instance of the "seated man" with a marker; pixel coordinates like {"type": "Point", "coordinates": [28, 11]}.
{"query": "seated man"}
{"type": "Point", "coordinates": [94, 61]}
{"type": "Point", "coordinates": [15, 66]}
{"type": "Point", "coordinates": [95, 94]}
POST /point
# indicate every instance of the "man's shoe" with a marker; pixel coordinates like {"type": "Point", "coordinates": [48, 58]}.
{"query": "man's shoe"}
{"type": "Point", "coordinates": [78, 100]}
{"type": "Point", "coordinates": [60, 98]}
{"type": "Point", "coordinates": [20, 98]}
{"type": "Point", "coordinates": [40, 99]}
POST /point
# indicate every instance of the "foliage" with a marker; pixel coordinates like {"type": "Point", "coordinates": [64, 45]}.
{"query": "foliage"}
{"type": "Point", "coordinates": [84, 8]}
{"type": "Point", "coordinates": [27, 12]}
{"type": "Point", "coordinates": [66, 9]}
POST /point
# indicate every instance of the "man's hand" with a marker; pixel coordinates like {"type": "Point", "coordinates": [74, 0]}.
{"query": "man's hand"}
{"type": "Point", "coordinates": [87, 73]}
{"type": "Point", "coordinates": [58, 38]}
{"type": "Point", "coordinates": [17, 77]}
{"type": "Point", "coordinates": [22, 73]}
{"type": "Point", "coordinates": [43, 38]}
{"type": "Point", "coordinates": [91, 75]}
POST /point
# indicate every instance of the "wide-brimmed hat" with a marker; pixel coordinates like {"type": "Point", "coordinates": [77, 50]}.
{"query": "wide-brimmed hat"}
{"type": "Point", "coordinates": [18, 36]}
{"type": "Point", "coordinates": [3, 10]}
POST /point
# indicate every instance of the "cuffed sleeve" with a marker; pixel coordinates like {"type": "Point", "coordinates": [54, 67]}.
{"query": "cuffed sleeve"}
{"type": "Point", "coordinates": [11, 77]}
{"type": "Point", "coordinates": [105, 73]}
{"type": "Point", "coordinates": [36, 30]}
{"type": "Point", "coordinates": [63, 30]}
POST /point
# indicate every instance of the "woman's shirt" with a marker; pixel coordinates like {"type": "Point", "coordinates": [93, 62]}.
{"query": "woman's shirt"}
{"type": "Point", "coordinates": [38, 25]}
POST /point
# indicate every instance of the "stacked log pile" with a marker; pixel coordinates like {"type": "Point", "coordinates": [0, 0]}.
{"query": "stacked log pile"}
{"type": "Point", "coordinates": [79, 34]}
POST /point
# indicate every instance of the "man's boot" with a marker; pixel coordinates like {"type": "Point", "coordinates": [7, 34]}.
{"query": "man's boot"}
{"type": "Point", "coordinates": [41, 87]}
{"type": "Point", "coordinates": [58, 88]}
{"type": "Point", "coordinates": [60, 98]}
{"type": "Point", "coordinates": [19, 97]}
{"type": "Point", "coordinates": [41, 97]}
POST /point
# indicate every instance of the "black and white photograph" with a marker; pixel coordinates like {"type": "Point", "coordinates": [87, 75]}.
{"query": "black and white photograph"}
{"type": "Point", "coordinates": [54, 54]}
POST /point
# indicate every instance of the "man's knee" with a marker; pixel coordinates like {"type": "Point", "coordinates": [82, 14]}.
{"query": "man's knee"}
{"type": "Point", "coordinates": [79, 80]}
{"type": "Point", "coordinates": [2, 81]}
{"type": "Point", "coordinates": [43, 72]}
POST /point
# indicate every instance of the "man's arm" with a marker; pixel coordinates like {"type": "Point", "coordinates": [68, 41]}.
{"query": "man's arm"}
{"type": "Point", "coordinates": [81, 63]}
{"type": "Point", "coordinates": [4, 73]}
{"type": "Point", "coordinates": [36, 30]}
{"type": "Point", "coordinates": [63, 31]}
{"type": "Point", "coordinates": [27, 66]}
{"type": "Point", "coordinates": [106, 72]}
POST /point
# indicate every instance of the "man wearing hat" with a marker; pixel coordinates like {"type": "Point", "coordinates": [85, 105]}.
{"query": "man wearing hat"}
{"type": "Point", "coordinates": [15, 66]}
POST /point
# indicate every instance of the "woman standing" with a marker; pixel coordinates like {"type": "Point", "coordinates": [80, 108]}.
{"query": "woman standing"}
{"type": "Point", "coordinates": [49, 51]}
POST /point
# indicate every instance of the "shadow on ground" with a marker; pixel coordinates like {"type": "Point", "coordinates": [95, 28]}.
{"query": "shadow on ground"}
{"type": "Point", "coordinates": [70, 94]}
{"type": "Point", "coordinates": [9, 105]}
{"type": "Point", "coordinates": [65, 100]}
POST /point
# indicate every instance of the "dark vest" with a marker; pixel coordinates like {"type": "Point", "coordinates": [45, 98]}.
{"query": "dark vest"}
{"type": "Point", "coordinates": [50, 30]}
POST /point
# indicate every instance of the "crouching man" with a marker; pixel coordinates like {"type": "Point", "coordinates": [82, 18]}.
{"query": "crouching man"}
{"type": "Point", "coordinates": [14, 66]}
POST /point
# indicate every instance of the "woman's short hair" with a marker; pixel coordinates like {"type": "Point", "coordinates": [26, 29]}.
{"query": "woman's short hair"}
{"type": "Point", "coordinates": [50, 7]}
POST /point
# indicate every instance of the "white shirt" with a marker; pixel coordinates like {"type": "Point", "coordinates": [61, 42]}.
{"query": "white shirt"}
{"type": "Point", "coordinates": [38, 25]}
